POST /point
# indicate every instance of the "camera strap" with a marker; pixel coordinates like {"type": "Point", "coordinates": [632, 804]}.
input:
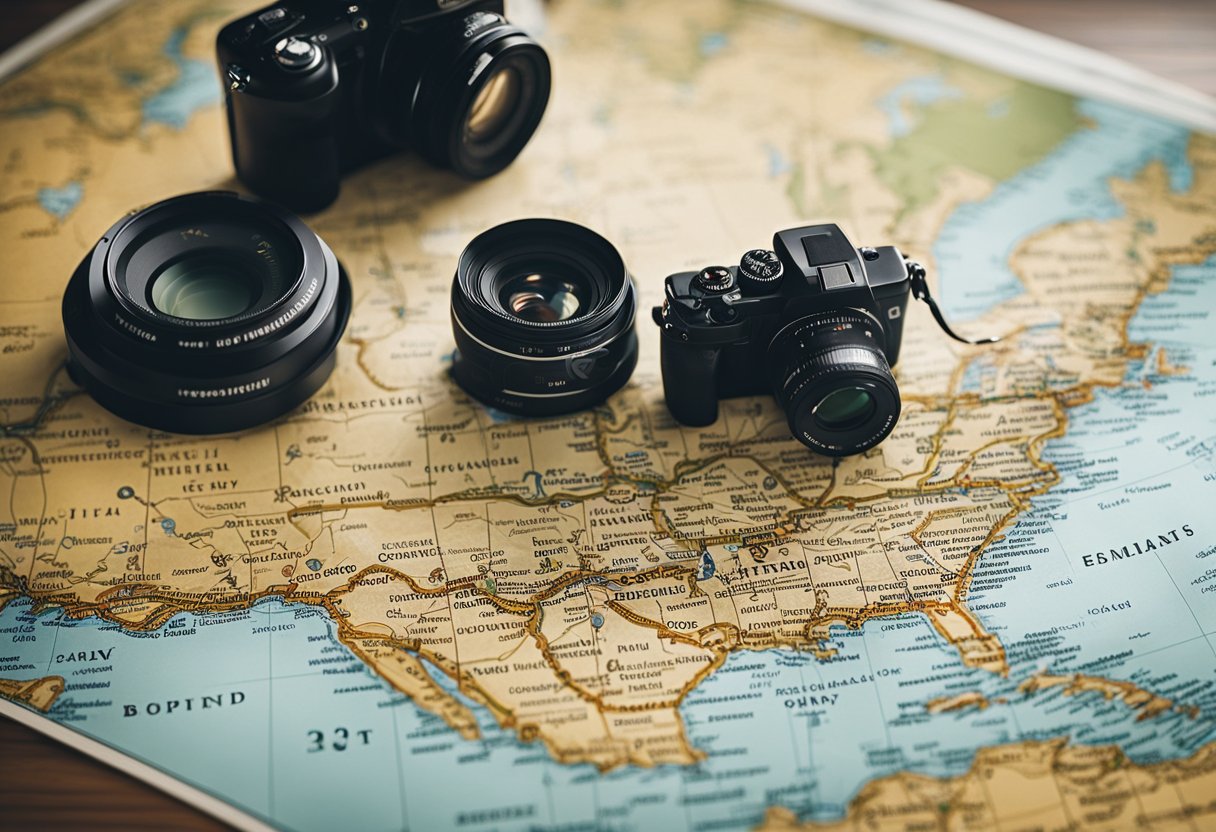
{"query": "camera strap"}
{"type": "Point", "coordinates": [920, 291]}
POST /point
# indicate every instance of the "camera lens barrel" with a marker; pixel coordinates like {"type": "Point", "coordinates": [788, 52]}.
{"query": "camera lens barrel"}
{"type": "Point", "coordinates": [480, 96]}
{"type": "Point", "coordinates": [543, 315]}
{"type": "Point", "coordinates": [830, 375]}
{"type": "Point", "coordinates": [205, 313]}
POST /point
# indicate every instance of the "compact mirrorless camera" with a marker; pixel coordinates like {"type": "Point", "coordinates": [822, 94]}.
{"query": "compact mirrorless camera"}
{"type": "Point", "coordinates": [815, 321]}
{"type": "Point", "coordinates": [316, 88]}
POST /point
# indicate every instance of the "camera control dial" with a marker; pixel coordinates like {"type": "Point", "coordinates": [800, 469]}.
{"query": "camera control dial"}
{"type": "Point", "coordinates": [297, 54]}
{"type": "Point", "coordinates": [760, 271]}
{"type": "Point", "coordinates": [715, 279]}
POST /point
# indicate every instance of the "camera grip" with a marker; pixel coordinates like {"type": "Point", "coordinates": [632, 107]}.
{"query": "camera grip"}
{"type": "Point", "coordinates": [690, 381]}
{"type": "Point", "coordinates": [286, 151]}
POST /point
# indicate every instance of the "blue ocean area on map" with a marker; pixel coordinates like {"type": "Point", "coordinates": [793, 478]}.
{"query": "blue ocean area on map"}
{"type": "Point", "coordinates": [195, 87]}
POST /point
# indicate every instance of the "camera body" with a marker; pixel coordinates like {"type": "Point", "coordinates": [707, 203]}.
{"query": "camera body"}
{"type": "Point", "coordinates": [811, 317]}
{"type": "Point", "coordinates": [316, 88]}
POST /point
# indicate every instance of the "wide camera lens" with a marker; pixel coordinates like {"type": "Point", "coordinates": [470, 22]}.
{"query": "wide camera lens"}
{"type": "Point", "coordinates": [205, 313]}
{"type": "Point", "coordinates": [480, 95]}
{"type": "Point", "coordinates": [830, 374]}
{"type": "Point", "coordinates": [543, 314]}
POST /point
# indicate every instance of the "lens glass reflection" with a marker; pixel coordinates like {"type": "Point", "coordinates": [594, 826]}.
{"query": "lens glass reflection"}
{"type": "Point", "coordinates": [844, 409]}
{"type": "Point", "coordinates": [496, 101]}
{"type": "Point", "coordinates": [541, 298]}
{"type": "Point", "coordinates": [203, 289]}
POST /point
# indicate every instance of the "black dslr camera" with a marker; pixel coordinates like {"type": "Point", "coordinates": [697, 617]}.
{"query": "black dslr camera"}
{"type": "Point", "coordinates": [816, 322]}
{"type": "Point", "coordinates": [317, 88]}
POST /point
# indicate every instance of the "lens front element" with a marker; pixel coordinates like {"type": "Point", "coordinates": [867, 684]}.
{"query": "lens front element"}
{"type": "Point", "coordinates": [541, 298]}
{"type": "Point", "coordinates": [203, 288]}
{"type": "Point", "coordinates": [495, 101]}
{"type": "Point", "coordinates": [844, 409]}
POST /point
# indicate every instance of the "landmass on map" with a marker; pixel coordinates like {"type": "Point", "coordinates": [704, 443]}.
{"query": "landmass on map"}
{"type": "Point", "coordinates": [39, 694]}
{"type": "Point", "coordinates": [1147, 703]}
{"type": "Point", "coordinates": [1035, 785]}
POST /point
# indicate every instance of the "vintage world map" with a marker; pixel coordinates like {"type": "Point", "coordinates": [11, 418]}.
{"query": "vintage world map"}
{"type": "Point", "coordinates": [396, 609]}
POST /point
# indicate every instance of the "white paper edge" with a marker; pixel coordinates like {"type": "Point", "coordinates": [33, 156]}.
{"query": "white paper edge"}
{"type": "Point", "coordinates": [935, 24]}
{"type": "Point", "coordinates": [151, 775]}
{"type": "Point", "coordinates": [1020, 52]}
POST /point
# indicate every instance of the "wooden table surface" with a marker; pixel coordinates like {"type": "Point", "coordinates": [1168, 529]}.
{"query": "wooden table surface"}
{"type": "Point", "coordinates": [46, 786]}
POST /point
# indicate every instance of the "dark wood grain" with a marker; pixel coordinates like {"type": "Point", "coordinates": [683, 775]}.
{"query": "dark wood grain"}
{"type": "Point", "coordinates": [18, 18]}
{"type": "Point", "coordinates": [46, 786]}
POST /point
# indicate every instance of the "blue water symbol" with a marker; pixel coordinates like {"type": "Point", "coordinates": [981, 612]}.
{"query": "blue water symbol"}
{"type": "Point", "coordinates": [59, 202]}
{"type": "Point", "coordinates": [195, 88]}
{"type": "Point", "coordinates": [169, 525]}
{"type": "Point", "coordinates": [597, 620]}
{"type": "Point", "coordinates": [313, 564]}
{"type": "Point", "coordinates": [713, 43]}
{"type": "Point", "coordinates": [778, 163]}
{"type": "Point", "coordinates": [707, 567]}
{"type": "Point", "coordinates": [535, 477]}
{"type": "Point", "coordinates": [922, 91]}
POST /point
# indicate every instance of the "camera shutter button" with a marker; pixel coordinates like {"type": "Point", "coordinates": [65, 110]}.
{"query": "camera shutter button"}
{"type": "Point", "coordinates": [760, 271]}
{"type": "Point", "coordinates": [297, 54]}
{"type": "Point", "coordinates": [715, 279]}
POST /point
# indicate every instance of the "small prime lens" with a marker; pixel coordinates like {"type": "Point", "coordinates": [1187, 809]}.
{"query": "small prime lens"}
{"type": "Point", "coordinates": [480, 96]}
{"type": "Point", "coordinates": [543, 314]}
{"type": "Point", "coordinates": [205, 313]}
{"type": "Point", "coordinates": [830, 375]}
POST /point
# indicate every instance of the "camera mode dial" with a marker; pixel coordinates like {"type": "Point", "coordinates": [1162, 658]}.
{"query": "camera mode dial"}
{"type": "Point", "coordinates": [715, 279]}
{"type": "Point", "coordinates": [760, 271]}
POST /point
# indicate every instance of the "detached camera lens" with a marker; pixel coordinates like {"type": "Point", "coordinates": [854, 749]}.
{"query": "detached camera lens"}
{"type": "Point", "coordinates": [543, 315]}
{"type": "Point", "coordinates": [205, 313]}
{"type": "Point", "coordinates": [831, 376]}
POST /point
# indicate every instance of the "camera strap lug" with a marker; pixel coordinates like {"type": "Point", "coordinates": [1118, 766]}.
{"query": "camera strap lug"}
{"type": "Point", "coordinates": [920, 291]}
